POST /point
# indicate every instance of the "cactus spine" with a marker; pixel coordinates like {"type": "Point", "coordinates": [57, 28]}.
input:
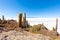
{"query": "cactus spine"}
{"type": "Point", "coordinates": [20, 20]}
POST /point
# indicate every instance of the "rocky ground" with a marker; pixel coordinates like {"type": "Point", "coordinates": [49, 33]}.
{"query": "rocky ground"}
{"type": "Point", "coordinates": [17, 35]}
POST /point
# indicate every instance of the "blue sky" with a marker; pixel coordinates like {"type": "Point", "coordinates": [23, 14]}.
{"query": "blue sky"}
{"type": "Point", "coordinates": [33, 8]}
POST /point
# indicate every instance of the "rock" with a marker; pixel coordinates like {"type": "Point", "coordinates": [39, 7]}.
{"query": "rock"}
{"type": "Point", "coordinates": [17, 35]}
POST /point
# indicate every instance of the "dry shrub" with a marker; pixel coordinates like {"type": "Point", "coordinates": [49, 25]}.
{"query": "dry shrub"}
{"type": "Point", "coordinates": [37, 28]}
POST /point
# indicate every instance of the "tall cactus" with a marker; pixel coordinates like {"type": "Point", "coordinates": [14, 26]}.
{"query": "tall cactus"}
{"type": "Point", "coordinates": [56, 25]}
{"type": "Point", "coordinates": [20, 20]}
{"type": "Point", "coordinates": [24, 20]}
{"type": "Point", "coordinates": [25, 16]}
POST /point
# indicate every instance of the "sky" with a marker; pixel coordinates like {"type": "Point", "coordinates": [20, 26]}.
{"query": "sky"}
{"type": "Point", "coordinates": [33, 8]}
{"type": "Point", "coordinates": [37, 11]}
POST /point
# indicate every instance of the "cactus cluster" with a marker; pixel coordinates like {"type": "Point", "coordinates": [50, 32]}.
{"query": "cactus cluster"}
{"type": "Point", "coordinates": [22, 23]}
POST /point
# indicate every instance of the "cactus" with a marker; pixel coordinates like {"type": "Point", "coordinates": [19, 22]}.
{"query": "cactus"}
{"type": "Point", "coordinates": [2, 17]}
{"type": "Point", "coordinates": [24, 20]}
{"type": "Point", "coordinates": [53, 29]}
{"type": "Point", "coordinates": [56, 24]}
{"type": "Point", "coordinates": [25, 16]}
{"type": "Point", "coordinates": [20, 20]}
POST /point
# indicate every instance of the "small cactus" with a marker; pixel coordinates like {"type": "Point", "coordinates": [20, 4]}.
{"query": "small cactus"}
{"type": "Point", "coordinates": [2, 17]}
{"type": "Point", "coordinates": [53, 29]}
